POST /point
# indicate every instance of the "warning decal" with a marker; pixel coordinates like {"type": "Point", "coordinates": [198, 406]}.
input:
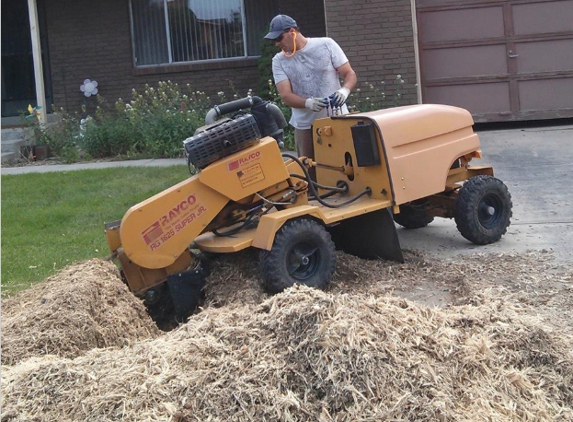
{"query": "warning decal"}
{"type": "Point", "coordinates": [251, 175]}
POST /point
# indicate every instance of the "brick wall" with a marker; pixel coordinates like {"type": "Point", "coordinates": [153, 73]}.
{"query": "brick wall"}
{"type": "Point", "coordinates": [88, 40]}
{"type": "Point", "coordinates": [92, 40]}
{"type": "Point", "coordinates": [308, 14]}
{"type": "Point", "coordinates": [377, 37]}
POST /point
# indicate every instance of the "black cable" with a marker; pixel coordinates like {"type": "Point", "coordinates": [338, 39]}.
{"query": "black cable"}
{"type": "Point", "coordinates": [341, 189]}
{"type": "Point", "coordinates": [315, 193]}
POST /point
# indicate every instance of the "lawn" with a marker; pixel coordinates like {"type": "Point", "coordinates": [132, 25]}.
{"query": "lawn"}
{"type": "Point", "coordinates": [50, 220]}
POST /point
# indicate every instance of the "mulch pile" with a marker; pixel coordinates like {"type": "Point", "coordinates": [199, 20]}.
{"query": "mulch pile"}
{"type": "Point", "coordinates": [83, 307]}
{"type": "Point", "coordinates": [498, 350]}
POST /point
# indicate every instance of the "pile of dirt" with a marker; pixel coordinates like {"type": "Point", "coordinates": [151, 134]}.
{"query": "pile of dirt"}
{"type": "Point", "coordinates": [498, 348]}
{"type": "Point", "coordinates": [84, 306]}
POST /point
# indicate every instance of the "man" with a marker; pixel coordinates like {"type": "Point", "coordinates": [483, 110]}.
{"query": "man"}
{"type": "Point", "coordinates": [307, 75]}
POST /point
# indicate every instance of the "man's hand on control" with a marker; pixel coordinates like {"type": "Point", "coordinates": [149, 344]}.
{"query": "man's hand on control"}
{"type": "Point", "coordinates": [316, 104]}
{"type": "Point", "coordinates": [339, 97]}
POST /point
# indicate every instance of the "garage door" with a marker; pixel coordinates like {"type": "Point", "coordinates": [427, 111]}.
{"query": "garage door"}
{"type": "Point", "coordinates": [502, 60]}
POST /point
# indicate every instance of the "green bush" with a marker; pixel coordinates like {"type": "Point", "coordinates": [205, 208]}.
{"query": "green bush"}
{"type": "Point", "coordinates": [110, 137]}
{"type": "Point", "coordinates": [369, 96]}
{"type": "Point", "coordinates": [153, 123]}
{"type": "Point", "coordinates": [61, 135]}
{"type": "Point", "coordinates": [265, 85]}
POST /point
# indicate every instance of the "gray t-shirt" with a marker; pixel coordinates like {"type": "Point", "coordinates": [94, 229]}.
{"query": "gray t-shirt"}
{"type": "Point", "coordinates": [312, 73]}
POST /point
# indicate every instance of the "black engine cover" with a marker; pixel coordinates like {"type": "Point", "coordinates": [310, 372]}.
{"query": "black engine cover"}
{"type": "Point", "coordinates": [221, 140]}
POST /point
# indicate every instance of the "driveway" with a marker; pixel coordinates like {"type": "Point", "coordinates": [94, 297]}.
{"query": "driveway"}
{"type": "Point", "coordinates": [536, 163]}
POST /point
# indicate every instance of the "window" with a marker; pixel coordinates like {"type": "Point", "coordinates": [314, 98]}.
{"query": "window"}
{"type": "Point", "coordinates": [175, 31]}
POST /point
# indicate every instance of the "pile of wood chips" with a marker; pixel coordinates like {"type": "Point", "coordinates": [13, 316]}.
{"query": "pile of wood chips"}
{"type": "Point", "coordinates": [499, 349]}
{"type": "Point", "coordinates": [85, 306]}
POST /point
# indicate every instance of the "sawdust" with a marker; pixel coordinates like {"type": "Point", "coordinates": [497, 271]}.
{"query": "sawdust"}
{"type": "Point", "coordinates": [498, 348]}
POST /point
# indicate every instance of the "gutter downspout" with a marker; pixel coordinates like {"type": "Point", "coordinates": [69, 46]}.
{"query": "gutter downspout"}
{"type": "Point", "coordinates": [416, 52]}
{"type": "Point", "coordinates": [37, 55]}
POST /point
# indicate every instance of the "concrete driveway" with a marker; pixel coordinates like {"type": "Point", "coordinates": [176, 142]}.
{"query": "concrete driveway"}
{"type": "Point", "coordinates": [536, 163]}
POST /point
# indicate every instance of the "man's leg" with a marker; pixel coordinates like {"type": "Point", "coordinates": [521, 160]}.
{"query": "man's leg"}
{"type": "Point", "coordinates": [305, 147]}
{"type": "Point", "coordinates": [303, 142]}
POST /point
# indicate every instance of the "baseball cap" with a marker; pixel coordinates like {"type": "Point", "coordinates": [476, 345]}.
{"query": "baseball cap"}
{"type": "Point", "coordinates": [279, 24]}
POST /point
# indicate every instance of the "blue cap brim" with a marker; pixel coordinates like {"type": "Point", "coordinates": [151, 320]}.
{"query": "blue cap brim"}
{"type": "Point", "coordinates": [273, 35]}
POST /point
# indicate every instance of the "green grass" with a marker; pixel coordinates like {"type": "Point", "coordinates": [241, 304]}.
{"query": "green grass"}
{"type": "Point", "coordinates": [51, 220]}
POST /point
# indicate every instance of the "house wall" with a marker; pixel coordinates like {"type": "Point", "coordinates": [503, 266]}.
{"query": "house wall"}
{"type": "Point", "coordinates": [92, 40]}
{"type": "Point", "coordinates": [309, 15]}
{"type": "Point", "coordinates": [377, 36]}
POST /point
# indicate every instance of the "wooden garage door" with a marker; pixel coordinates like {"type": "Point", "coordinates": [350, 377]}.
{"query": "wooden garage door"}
{"type": "Point", "coordinates": [502, 60]}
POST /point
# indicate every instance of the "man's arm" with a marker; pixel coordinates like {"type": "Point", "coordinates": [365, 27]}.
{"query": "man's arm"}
{"type": "Point", "coordinates": [348, 76]}
{"type": "Point", "coordinates": [296, 101]}
{"type": "Point", "coordinates": [338, 98]}
{"type": "Point", "coordinates": [289, 98]}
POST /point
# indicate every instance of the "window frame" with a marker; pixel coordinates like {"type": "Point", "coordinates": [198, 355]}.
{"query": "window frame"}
{"type": "Point", "coordinates": [172, 66]}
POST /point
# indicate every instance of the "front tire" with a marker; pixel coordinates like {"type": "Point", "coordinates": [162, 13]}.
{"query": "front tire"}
{"type": "Point", "coordinates": [302, 253]}
{"type": "Point", "coordinates": [483, 209]}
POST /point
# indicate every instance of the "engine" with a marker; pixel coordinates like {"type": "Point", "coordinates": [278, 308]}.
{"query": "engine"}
{"type": "Point", "coordinates": [221, 138]}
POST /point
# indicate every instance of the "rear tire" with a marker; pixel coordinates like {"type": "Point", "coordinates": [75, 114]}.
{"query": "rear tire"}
{"type": "Point", "coordinates": [302, 253]}
{"type": "Point", "coordinates": [412, 218]}
{"type": "Point", "coordinates": [483, 209]}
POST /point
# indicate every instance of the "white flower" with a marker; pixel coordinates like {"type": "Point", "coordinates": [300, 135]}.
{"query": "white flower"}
{"type": "Point", "coordinates": [89, 88]}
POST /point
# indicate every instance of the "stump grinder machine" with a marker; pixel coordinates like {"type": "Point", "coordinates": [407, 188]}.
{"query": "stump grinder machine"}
{"type": "Point", "coordinates": [403, 165]}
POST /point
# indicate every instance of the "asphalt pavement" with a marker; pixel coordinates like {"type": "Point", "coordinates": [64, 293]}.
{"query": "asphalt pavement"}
{"type": "Point", "coordinates": [535, 162]}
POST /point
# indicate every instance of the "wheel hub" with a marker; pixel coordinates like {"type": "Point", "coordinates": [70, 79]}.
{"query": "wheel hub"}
{"type": "Point", "coordinates": [488, 211]}
{"type": "Point", "coordinates": [303, 261]}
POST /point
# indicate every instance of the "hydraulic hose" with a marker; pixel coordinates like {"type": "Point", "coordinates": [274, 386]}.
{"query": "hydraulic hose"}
{"type": "Point", "coordinates": [311, 186]}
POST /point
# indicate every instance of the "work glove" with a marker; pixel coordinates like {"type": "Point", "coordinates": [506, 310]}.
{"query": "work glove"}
{"type": "Point", "coordinates": [339, 97]}
{"type": "Point", "coordinates": [316, 104]}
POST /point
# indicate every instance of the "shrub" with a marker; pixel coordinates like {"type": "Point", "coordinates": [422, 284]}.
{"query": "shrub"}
{"type": "Point", "coordinates": [61, 135]}
{"type": "Point", "coordinates": [368, 96]}
{"type": "Point", "coordinates": [264, 65]}
{"type": "Point", "coordinates": [153, 123]}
